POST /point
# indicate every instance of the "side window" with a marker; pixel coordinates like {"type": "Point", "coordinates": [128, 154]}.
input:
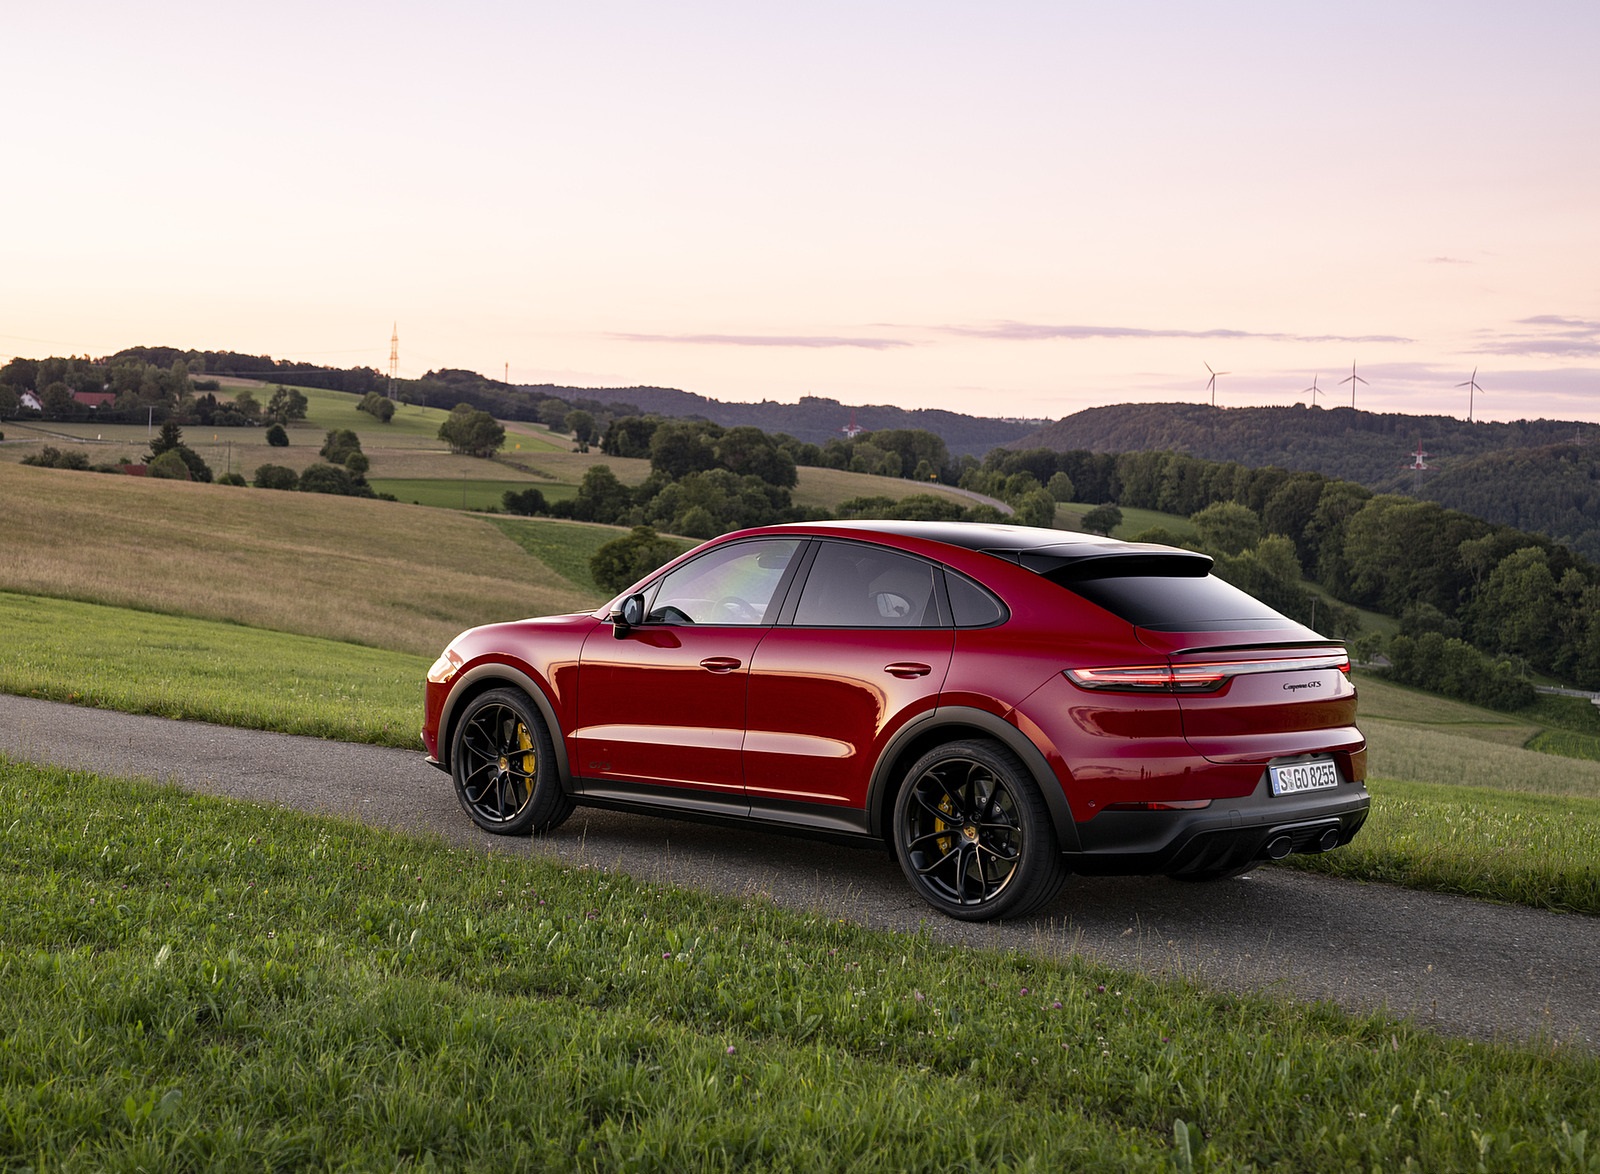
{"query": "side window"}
{"type": "Point", "coordinates": [973, 606]}
{"type": "Point", "coordinates": [856, 586]}
{"type": "Point", "coordinates": [732, 584]}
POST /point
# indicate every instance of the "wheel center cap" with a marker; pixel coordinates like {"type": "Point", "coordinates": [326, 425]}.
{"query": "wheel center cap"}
{"type": "Point", "coordinates": [970, 833]}
{"type": "Point", "coordinates": [505, 764]}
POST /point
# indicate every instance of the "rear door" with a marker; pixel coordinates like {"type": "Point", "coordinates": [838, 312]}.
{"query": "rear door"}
{"type": "Point", "coordinates": [865, 649]}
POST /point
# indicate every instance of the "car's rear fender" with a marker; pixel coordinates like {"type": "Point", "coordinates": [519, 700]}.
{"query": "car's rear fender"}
{"type": "Point", "coordinates": [496, 675]}
{"type": "Point", "coordinates": [951, 723]}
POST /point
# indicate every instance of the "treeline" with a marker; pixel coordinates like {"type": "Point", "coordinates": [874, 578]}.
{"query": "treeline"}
{"type": "Point", "coordinates": [1441, 572]}
{"type": "Point", "coordinates": [706, 480]}
{"type": "Point", "coordinates": [1538, 475]}
{"type": "Point", "coordinates": [546, 404]}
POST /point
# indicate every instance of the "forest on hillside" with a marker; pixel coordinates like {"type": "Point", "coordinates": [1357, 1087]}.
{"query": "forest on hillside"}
{"type": "Point", "coordinates": [1538, 475]}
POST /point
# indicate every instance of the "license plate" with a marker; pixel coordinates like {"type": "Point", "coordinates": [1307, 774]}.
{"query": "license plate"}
{"type": "Point", "coordinates": [1303, 776]}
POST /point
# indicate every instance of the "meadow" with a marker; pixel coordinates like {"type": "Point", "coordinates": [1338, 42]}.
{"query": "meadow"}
{"type": "Point", "coordinates": [200, 984]}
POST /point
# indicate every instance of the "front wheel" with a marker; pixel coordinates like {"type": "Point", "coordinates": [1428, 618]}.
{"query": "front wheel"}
{"type": "Point", "coordinates": [973, 835]}
{"type": "Point", "coordinates": [503, 764]}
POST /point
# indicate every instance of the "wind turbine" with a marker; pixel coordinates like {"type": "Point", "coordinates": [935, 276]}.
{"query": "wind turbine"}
{"type": "Point", "coordinates": [1352, 381]}
{"type": "Point", "coordinates": [1313, 389]}
{"type": "Point", "coordinates": [1211, 384]}
{"type": "Point", "coordinates": [1473, 384]}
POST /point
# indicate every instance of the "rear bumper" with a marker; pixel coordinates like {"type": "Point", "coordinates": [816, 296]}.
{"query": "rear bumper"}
{"type": "Point", "coordinates": [1230, 833]}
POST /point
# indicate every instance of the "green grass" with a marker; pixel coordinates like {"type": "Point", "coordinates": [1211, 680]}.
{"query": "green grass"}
{"type": "Point", "coordinates": [139, 662]}
{"type": "Point", "coordinates": [1538, 850]}
{"type": "Point", "coordinates": [463, 493]}
{"type": "Point", "coordinates": [193, 983]}
{"type": "Point", "coordinates": [1567, 744]}
{"type": "Point", "coordinates": [564, 547]}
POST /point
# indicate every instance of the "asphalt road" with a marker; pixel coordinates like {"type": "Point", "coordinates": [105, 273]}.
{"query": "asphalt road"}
{"type": "Point", "coordinates": [1461, 966]}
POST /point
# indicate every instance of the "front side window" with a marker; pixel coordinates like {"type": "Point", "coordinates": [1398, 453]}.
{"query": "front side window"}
{"type": "Point", "coordinates": [856, 586]}
{"type": "Point", "coordinates": [730, 585]}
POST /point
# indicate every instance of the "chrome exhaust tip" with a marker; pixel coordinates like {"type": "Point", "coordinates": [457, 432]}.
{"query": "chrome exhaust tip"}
{"type": "Point", "coordinates": [1279, 846]}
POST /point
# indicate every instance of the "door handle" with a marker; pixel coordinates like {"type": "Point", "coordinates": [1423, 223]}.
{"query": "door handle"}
{"type": "Point", "coordinates": [907, 669]}
{"type": "Point", "coordinates": [720, 664]}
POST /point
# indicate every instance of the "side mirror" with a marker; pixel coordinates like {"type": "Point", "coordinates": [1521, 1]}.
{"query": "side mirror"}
{"type": "Point", "coordinates": [629, 615]}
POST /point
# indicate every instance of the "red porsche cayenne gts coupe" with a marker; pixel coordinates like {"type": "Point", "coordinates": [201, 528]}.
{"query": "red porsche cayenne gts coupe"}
{"type": "Point", "coordinates": [1002, 705]}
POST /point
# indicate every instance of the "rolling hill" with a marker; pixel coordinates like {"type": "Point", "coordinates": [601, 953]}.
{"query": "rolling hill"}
{"type": "Point", "coordinates": [1538, 475]}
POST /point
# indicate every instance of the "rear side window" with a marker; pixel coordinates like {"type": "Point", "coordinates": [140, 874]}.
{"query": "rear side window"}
{"type": "Point", "coordinates": [972, 606]}
{"type": "Point", "coordinates": [1177, 602]}
{"type": "Point", "coordinates": [852, 585]}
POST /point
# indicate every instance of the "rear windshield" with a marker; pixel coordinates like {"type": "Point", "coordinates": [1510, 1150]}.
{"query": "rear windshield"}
{"type": "Point", "coordinates": [1192, 603]}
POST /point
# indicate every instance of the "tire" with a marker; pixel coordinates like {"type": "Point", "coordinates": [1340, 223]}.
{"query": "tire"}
{"type": "Point", "coordinates": [973, 835]}
{"type": "Point", "coordinates": [504, 766]}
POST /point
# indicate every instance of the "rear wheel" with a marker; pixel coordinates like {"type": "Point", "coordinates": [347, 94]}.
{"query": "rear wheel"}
{"type": "Point", "coordinates": [503, 763]}
{"type": "Point", "coordinates": [973, 835]}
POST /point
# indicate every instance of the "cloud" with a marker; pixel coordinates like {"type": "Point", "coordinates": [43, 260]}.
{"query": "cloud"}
{"type": "Point", "coordinates": [1547, 334]}
{"type": "Point", "coordinates": [1447, 261]}
{"type": "Point", "coordinates": [776, 340]}
{"type": "Point", "coordinates": [1034, 332]}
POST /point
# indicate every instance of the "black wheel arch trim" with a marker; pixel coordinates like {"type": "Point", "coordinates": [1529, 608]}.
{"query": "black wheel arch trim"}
{"type": "Point", "coordinates": [489, 676]}
{"type": "Point", "coordinates": [959, 718]}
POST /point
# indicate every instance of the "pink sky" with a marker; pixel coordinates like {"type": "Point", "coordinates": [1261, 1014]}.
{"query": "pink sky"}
{"type": "Point", "coordinates": [1006, 209]}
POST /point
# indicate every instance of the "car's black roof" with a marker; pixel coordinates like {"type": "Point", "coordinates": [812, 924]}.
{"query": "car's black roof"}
{"type": "Point", "coordinates": [1035, 547]}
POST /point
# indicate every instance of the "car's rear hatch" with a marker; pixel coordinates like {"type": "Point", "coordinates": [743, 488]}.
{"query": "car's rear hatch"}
{"type": "Point", "coordinates": [1253, 686]}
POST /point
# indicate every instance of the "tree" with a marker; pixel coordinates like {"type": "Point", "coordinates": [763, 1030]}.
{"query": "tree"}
{"type": "Point", "coordinates": [581, 424]}
{"type": "Point", "coordinates": [472, 432]}
{"type": "Point", "coordinates": [601, 497]}
{"type": "Point", "coordinates": [358, 463]}
{"type": "Point", "coordinates": [276, 477]}
{"type": "Point", "coordinates": [58, 402]}
{"type": "Point", "coordinates": [1102, 519]}
{"type": "Point", "coordinates": [341, 442]}
{"type": "Point", "coordinates": [1060, 487]}
{"type": "Point", "coordinates": [170, 439]}
{"type": "Point", "coordinates": [1036, 508]}
{"type": "Point", "coordinates": [681, 447]}
{"type": "Point", "coordinates": [377, 405]}
{"type": "Point", "coordinates": [528, 503]}
{"type": "Point", "coordinates": [10, 402]}
{"type": "Point", "coordinates": [277, 437]}
{"type": "Point", "coordinates": [169, 466]}
{"type": "Point", "coordinates": [247, 405]}
{"type": "Point", "coordinates": [625, 560]}
{"type": "Point", "coordinates": [750, 452]}
{"type": "Point", "coordinates": [1226, 527]}
{"type": "Point", "coordinates": [287, 403]}
{"type": "Point", "coordinates": [332, 479]}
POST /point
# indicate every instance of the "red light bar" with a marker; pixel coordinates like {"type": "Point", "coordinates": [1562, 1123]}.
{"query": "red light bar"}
{"type": "Point", "coordinates": [1196, 676]}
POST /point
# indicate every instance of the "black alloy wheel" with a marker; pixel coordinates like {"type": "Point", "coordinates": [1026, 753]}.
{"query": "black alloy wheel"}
{"type": "Point", "coordinates": [973, 835]}
{"type": "Point", "coordinates": [503, 763]}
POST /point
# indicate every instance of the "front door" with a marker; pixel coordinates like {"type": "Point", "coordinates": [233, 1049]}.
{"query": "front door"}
{"type": "Point", "coordinates": [665, 705]}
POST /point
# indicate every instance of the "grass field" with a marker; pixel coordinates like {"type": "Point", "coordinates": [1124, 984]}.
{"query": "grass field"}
{"type": "Point", "coordinates": [366, 572]}
{"type": "Point", "coordinates": [198, 984]}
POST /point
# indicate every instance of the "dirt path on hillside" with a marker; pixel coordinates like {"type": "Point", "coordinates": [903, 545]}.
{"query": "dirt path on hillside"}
{"type": "Point", "coordinates": [1465, 967]}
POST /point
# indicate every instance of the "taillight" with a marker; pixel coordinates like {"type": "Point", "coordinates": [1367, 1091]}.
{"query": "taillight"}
{"type": "Point", "coordinates": [1196, 676]}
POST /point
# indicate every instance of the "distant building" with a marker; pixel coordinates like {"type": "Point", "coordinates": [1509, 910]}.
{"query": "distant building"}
{"type": "Point", "coordinates": [95, 399]}
{"type": "Point", "coordinates": [31, 402]}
